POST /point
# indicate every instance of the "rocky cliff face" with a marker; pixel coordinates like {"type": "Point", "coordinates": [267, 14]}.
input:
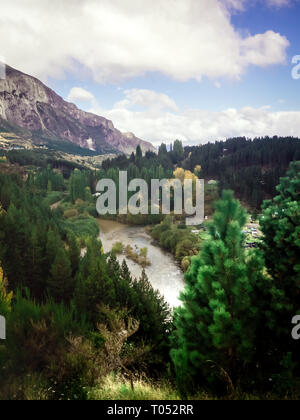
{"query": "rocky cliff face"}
{"type": "Point", "coordinates": [28, 103]}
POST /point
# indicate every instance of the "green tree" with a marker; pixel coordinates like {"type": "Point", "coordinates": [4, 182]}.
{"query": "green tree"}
{"type": "Point", "coordinates": [36, 263]}
{"type": "Point", "coordinates": [74, 253]}
{"type": "Point", "coordinates": [77, 185]}
{"type": "Point", "coordinates": [280, 225]}
{"type": "Point", "coordinates": [60, 283]}
{"type": "Point", "coordinates": [154, 314]}
{"type": "Point", "coordinates": [53, 243]}
{"type": "Point", "coordinates": [178, 151]}
{"type": "Point", "coordinates": [125, 272]}
{"type": "Point", "coordinates": [139, 153]}
{"type": "Point", "coordinates": [94, 286]}
{"type": "Point", "coordinates": [215, 328]}
{"type": "Point", "coordinates": [162, 150]}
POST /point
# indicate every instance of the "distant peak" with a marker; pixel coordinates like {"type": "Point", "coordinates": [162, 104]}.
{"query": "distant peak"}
{"type": "Point", "coordinates": [129, 135]}
{"type": "Point", "coordinates": [28, 103]}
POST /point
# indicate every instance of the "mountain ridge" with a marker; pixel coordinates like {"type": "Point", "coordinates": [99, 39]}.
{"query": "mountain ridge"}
{"type": "Point", "coordinates": [28, 103]}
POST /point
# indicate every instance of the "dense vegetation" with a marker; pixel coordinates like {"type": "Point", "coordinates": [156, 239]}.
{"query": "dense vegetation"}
{"type": "Point", "coordinates": [80, 327]}
{"type": "Point", "coordinates": [233, 329]}
{"type": "Point", "coordinates": [251, 168]}
{"type": "Point", "coordinates": [65, 306]}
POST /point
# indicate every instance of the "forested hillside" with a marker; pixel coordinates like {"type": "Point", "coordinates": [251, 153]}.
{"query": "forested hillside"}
{"type": "Point", "coordinates": [67, 309]}
{"type": "Point", "coordinates": [251, 168]}
{"type": "Point", "coordinates": [89, 330]}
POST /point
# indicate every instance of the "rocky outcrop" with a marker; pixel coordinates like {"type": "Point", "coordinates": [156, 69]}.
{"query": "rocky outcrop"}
{"type": "Point", "coordinates": [28, 103]}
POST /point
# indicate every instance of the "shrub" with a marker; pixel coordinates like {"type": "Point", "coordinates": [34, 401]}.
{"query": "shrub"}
{"type": "Point", "coordinates": [71, 213]}
{"type": "Point", "coordinates": [82, 227]}
{"type": "Point", "coordinates": [79, 202]}
{"type": "Point", "coordinates": [185, 263]}
{"type": "Point", "coordinates": [117, 248]}
{"type": "Point", "coordinates": [138, 257]}
{"type": "Point", "coordinates": [52, 198]}
{"type": "Point", "coordinates": [143, 261]}
{"type": "Point", "coordinates": [51, 344]}
{"type": "Point", "coordinates": [144, 252]}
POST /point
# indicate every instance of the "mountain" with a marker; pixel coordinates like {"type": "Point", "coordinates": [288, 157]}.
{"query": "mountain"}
{"type": "Point", "coordinates": [27, 103]}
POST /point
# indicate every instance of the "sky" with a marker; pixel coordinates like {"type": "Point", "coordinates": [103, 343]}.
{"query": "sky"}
{"type": "Point", "coordinates": [196, 70]}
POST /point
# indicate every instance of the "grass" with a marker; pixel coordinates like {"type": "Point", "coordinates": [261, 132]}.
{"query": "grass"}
{"type": "Point", "coordinates": [31, 387]}
{"type": "Point", "coordinates": [115, 387]}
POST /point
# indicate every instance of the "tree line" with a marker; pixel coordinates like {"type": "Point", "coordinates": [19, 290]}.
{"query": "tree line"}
{"type": "Point", "coordinates": [252, 168]}
{"type": "Point", "coordinates": [55, 286]}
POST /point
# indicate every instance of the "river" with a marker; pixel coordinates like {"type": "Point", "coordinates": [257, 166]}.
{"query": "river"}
{"type": "Point", "coordinates": [163, 273]}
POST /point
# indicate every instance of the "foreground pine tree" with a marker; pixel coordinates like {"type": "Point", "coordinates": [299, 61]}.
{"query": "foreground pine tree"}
{"type": "Point", "coordinates": [214, 338]}
{"type": "Point", "coordinates": [281, 227]}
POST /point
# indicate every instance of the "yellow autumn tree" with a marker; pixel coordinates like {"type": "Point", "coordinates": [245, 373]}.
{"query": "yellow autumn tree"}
{"type": "Point", "coordinates": [5, 296]}
{"type": "Point", "coordinates": [197, 170]}
{"type": "Point", "coordinates": [181, 174]}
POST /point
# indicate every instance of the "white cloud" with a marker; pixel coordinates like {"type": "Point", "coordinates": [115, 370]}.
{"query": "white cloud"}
{"type": "Point", "coordinates": [81, 95]}
{"type": "Point", "coordinates": [195, 126]}
{"type": "Point", "coordinates": [112, 40]}
{"type": "Point", "coordinates": [148, 99]}
{"type": "Point", "coordinates": [263, 50]}
{"type": "Point", "coordinates": [235, 5]}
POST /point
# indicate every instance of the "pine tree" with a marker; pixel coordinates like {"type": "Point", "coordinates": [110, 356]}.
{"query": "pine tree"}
{"type": "Point", "coordinates": [162, 150]}
{"type": "Point", "coordinates": [216, 326]}
{"type": "Point", "coordinates": [125, 272]}
{"type": "Point", "coordinates": [150, 308]}
{"type": "Point", "coordinates": [94, 285]}
{"type": "Point", "coordinates": [280, 225]}
{"type": "Point", "coordinates": [53, 243]}
{"type": "Point", "coordinates": [36, 263]}
{"type": "Point", "coordinates": [121, 279]}
{"type": "Point", "coordinates": [15, 247]}
{"type": "Point", "coordinates": [74, 253]}
{"type": "Point", "coordinates": [139, 153]}
{"type": "Point", "coordinates": [178, 151]}
{"type": "Point", "coordinates": [60, 283]}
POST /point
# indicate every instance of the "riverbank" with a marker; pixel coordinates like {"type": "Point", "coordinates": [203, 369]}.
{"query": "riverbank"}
{"type": "Point", "coordinates": [164, 274]}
